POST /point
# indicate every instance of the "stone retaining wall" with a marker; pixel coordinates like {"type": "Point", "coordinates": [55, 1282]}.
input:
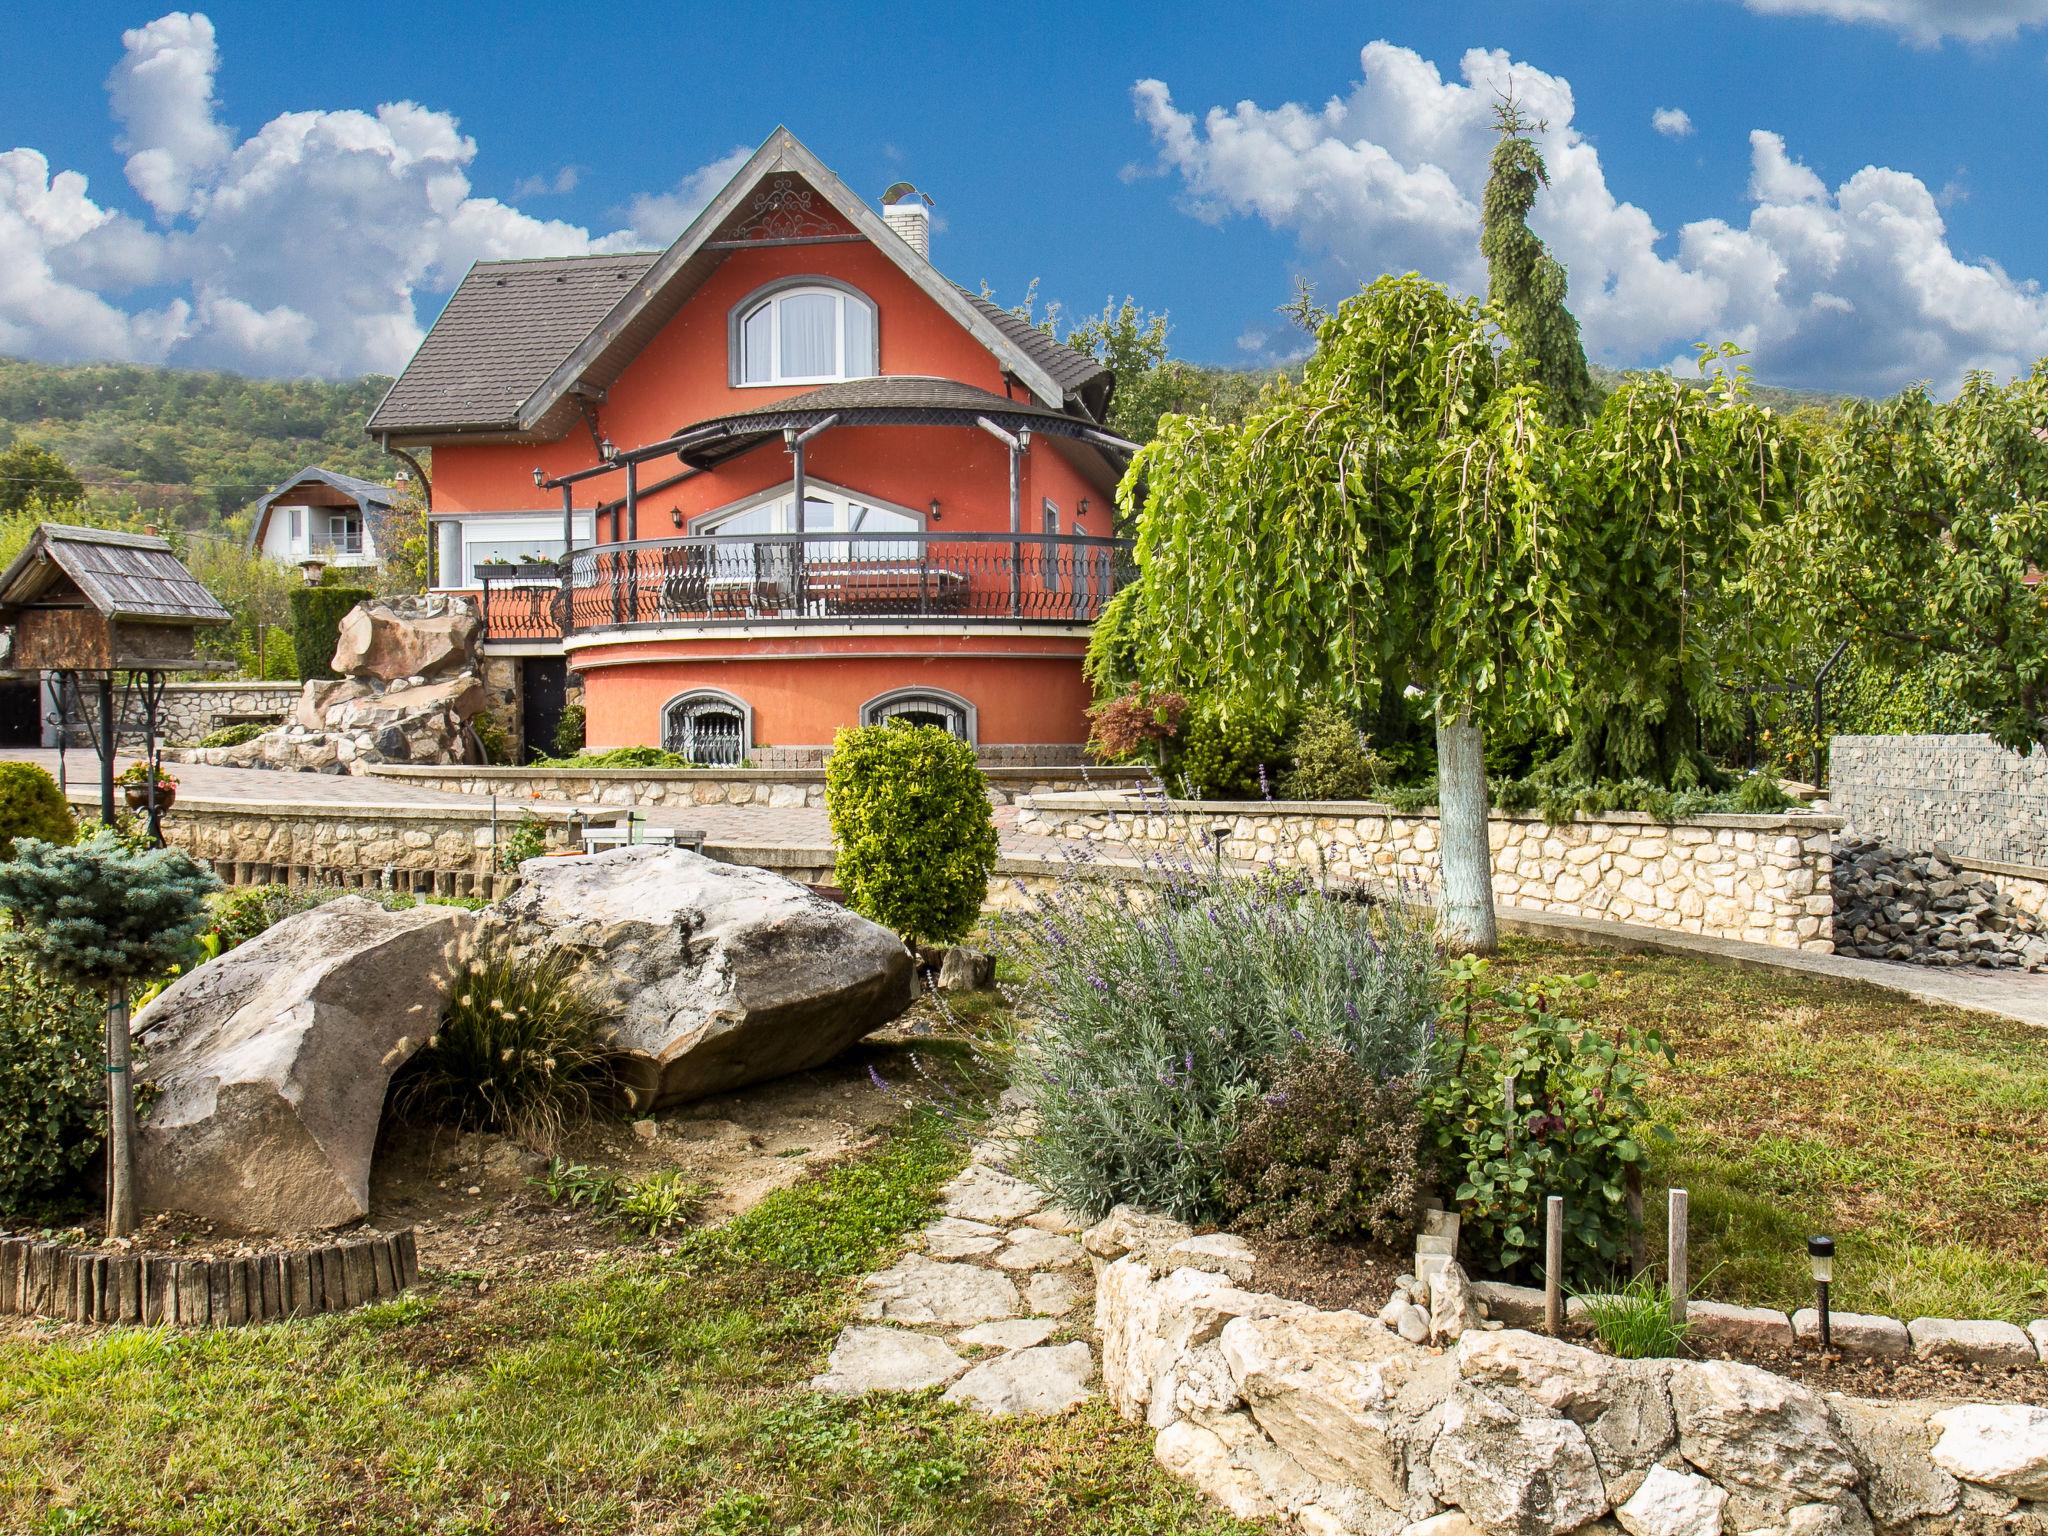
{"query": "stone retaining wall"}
{"type": "Point", "coordinates": [786, 788]}
{"type": "Point", "coordinates": [1760, 879]}
{"type": "Point", "coordinates": [79, 1285]}
{"type": "Point", "coordinates": [192, 710]}
{"type": "Point", "coordinates": [1965, 794]}
{"type": "Point", "coordinates": [1333, 1422]}
{"type": "Point", "coordinates": [422, 850]}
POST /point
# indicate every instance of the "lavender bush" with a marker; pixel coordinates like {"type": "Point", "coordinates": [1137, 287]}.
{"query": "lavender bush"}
{"type": "Point", "coordinates": [1155, 1008]}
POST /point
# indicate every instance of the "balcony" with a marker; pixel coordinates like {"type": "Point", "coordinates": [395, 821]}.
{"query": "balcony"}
{"type": "Point", "coordinates": [812, 579]}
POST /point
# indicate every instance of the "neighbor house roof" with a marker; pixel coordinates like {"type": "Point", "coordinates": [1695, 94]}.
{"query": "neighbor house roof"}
{"type": "Point", "coordinates": [364, 493]}
{"type": "Point", "coordinates": [522, 344]}
{"type": "Point", "coordinates": [129, 576]}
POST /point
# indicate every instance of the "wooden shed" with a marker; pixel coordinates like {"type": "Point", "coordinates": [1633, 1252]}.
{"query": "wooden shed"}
{"type": "Point", "coordinates": [91, 600]}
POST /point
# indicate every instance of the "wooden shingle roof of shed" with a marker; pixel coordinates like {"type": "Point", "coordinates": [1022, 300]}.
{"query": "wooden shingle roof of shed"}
{"type": "Point", "coordinates": [126, 576]}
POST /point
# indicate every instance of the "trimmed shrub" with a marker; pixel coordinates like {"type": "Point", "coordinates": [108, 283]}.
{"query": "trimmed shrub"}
{"type": "Point", "coordinates": [1328, 1150]}
{"type": "Point", "coordinates": [1159, 1010]}
{"type": "Point", "coordinates": [521, 1049]}
{"type": "Point", "coordinates": [569, 731]}
{"type": "Point", "coordinates": [53, 1096]}
{"type": "Point", "coordinates": [911, 821]}
{"type": "Point", "coordinates": [233, 735]}
{"type": "Point", "coordinates": [1238, 760]}
{"type": "Point", "coordinates": [1331, 758]}
{"type": "Point", "coordinates": [317, 613]}
{"type": "Point", "coordinates": [1572, 1130]}
{"type": "Point", "coordinates": [32, 805]}
{"type": "Point", "coordinates": [1135, 726]}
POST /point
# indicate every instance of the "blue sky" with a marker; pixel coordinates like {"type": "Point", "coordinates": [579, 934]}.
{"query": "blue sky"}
{"type": "Point", "coordinates": [1853, 190]}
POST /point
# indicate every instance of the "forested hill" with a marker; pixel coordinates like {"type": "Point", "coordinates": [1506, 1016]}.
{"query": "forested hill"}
{"type": "Point", "coordinates": [196, 446]}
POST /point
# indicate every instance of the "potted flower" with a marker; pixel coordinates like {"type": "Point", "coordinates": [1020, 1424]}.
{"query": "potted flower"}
{"type": "Point", "coordinates": [134, 782]}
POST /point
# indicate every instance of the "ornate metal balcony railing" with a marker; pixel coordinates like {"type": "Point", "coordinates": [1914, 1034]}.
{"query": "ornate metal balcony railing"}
{"type": "Point", "coordinates": [813, 578]}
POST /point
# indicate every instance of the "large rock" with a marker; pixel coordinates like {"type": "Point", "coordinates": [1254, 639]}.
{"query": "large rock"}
{"type": "Point", "coordinates": [1889, 1442]}
{"type": "Point", "coordinates": [1767, 1440]}
{"type": "Point", "coordinates": [389, 638]}
{"type": "Point", "coordinates": [271, 1064]}
{"type": "Point", "coordinates": [716, 975]}
{"type": "Point", "coordinates": [1670, 1503]}
{"type": "Point", "coordinates": [2002, 1446]}
{"type": "Point", "coordinates": [1515, 1475]}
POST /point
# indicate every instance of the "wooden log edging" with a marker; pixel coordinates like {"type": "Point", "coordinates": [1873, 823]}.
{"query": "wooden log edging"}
{"type": "Point", "coordinates": [82, 1285]}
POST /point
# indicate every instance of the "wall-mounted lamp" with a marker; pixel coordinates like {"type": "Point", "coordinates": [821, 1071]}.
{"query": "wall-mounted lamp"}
{"type": "Point", "coordinates": [1820, 1254]}
{"type": "Point", "coordinates": [540, 476]}
{"type": "Point", "coordinates": [675, 515]}
{"type": "Point", "coordinates": [1080, 511]}
{"type": "Point", "coordinates": [607, 450]}
{"type": "Point", "coordinates": [935, 509]}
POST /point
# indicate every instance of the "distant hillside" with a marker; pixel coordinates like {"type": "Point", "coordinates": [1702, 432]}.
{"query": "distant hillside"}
{"type": "Point", "coordinates": [195, 446]}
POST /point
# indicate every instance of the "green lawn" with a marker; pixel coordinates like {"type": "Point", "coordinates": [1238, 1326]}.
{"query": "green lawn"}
{"type": "Point", "coordinates": [647, 1396]}
{"type": "Point", "coordinates": [1916, 1136]}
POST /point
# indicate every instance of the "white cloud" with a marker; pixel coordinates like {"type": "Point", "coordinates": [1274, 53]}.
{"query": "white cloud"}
{"type": "Point", "coordinates": [1854, 287]}
{"type": "Point", "coordinates": [561, 184]}
{"type": "Point", "coordinates": [656, 218]}
{"type": "Point", "coordinates": [1672, 122]}
{"type": "Point", "coordinates": [299, 249]}
{"type": "Point", "coordinates": [1924, 21]}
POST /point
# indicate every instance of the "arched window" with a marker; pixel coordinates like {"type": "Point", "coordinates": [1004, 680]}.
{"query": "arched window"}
{"type": "Point", "coordinates": [711, 729]}
{"type": "Point", "coordinates": [812, 331]}
{"type": "Point", "coordinates": [922, 706]}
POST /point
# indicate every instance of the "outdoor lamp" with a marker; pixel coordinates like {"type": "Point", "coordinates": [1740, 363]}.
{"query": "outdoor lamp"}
{"type": "Point", "coordinates": [935, 509]}
{"type": "Point", "coordinates": [540, 476]}
{"type": "Point", "coordinates": [1820, 1253]}
{"type": "Point", "coordinates": [675, 515]}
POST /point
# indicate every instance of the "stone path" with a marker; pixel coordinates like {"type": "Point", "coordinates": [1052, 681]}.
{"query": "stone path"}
{"type": "Point", "coordinates": [734, 831]}
{"type": "Point", "coordinates": [993, 1302]}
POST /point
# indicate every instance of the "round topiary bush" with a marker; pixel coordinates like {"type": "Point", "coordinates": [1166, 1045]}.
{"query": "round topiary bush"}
{"type": "Point", "coordinates": [911, 821]}
{"type": "Point", "coordinates": [31, 805]}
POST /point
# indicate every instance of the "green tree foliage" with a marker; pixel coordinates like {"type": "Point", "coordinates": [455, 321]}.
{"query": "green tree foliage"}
{"type": "Point", "coordinates": [32, 805]}
{"type": "Point", "coordinates": [32, 475]}
{"type": "Point", "coordinates": [1525, 283]}
{"type": "Point", "coordinates": [101, 913]}
{"type": "Point", "coordinates": [317, 613]}
{"type": "Point", "coordinates": [258, 592]}
{"type": "Point", "coordinates": [911, 823]}
{"type": "Point", "coordinates": [1925, 524]}
{"type": "Point", "coordinates": [193, 447]}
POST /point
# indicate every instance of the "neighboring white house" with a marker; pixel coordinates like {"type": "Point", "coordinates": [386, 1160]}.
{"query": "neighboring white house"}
{"type": "Point", "coordinates": [321, 515]}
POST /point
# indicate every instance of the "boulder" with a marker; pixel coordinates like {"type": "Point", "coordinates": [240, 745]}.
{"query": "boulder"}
{"type": "Point", "coordinates": [1673, 1504]}
{"type": "Point", "coordinates": [389, 638]}
{"type": "Point", "coordinates": [1767, 1440]}
{"type": "Point", "coordinates": [1889, 1442]}
{"type": "Point", "coordinates": [2002, 1446]}
{"type": "Point", "coordinates": [1515, 1476]}
{"type": "Point", "coordinates": [717, 975]}
{"type": "Point", "coordinates": [1148, 1324]}
{"type": "Point", "coordinates": [271, 1064]}
{"type": "Point", "coordinates": [967, 970]}
{"type": "Point", "coordinates": [1622, 1405]}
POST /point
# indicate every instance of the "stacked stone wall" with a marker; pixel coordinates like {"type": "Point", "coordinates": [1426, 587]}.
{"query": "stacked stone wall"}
{"type": "Point", "coordinates": [189, 711]}
{"type": "Point", "coordinates": [779, 788]}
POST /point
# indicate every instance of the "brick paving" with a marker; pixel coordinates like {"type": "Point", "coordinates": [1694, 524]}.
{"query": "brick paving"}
{"type": "Point", "coordinates": [2020, 997]}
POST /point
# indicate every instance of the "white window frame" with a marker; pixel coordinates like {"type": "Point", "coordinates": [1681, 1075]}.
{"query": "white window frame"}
{"type": "Point", "coordinates": [693, 699]}
{"type": "Point", "coordinates": [1049, 557]}
{"type": "Point", "coordinates": [772, 296]}
{"type": "Point", "coordinates": [898, 701]}
{"type": "Point", "coordinates": [783, 498]}
{"type": "Point", "coordinates": [537, 531]}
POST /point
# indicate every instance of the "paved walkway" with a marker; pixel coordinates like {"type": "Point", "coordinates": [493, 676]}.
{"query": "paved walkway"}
{"type": "Point", "coordinates": [805, 831]}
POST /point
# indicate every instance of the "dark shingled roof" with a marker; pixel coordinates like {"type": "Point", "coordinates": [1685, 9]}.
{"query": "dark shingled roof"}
{"type": "Point", "coordinates": [123, 575]}
{"type": "Point", "coordinates": [506, 329]}
{"type": "Point", "coordinates": [1070, 368]}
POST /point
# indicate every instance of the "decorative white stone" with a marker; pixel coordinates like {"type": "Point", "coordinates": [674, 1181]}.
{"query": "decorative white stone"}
{"type": "Point", "coordinates": [921, 1290]}
{"type": "Point", "coordinates": [2037, 1331]}
{"type": "Point", "coordinates": [1452, 1306]}
{"type": "Point", "coordinates": [887, 1360]}
{"type": "Point", "coordinates": [1515, 1476]}
{"type": "Point", "coordinates": [1412, 1323]}
{"type": "Point", "coordinates": [1011, 1333]}
{"type": "Point", "coordinates": [1762, 1437]}
{"type": "Point", "coordinates": [1673, 1504]}
{"type": "Point", "coordinates": [2002, 1446]}
{"type": "Point", "coordinates": [1045, 1380]}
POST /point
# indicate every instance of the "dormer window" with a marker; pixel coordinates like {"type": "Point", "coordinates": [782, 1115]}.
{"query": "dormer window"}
{"type": "Point", "coordinates": [809, 332]}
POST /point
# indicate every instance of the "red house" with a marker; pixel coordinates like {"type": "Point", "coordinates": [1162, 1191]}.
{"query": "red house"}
{"type": "Point", "coordinates": [779, 478]}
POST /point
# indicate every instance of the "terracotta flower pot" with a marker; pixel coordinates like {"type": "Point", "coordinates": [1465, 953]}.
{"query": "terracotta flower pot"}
{"type": "Point", "coordinates": [138, 796]}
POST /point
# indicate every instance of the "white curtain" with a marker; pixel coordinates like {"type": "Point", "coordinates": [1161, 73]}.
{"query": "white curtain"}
{"type": "Point", "coordinates": [810, 324]}
{"type": "Point", "coordinates": [860, 340]}
{"type": "Point", "coordinates": [757, 350]}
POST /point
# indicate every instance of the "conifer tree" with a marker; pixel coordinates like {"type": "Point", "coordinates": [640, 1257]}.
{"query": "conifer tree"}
{"type": "Point", "coordinates": [1525, 283]}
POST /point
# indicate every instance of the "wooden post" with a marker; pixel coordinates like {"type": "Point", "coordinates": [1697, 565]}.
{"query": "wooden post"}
{"type": "Point", "coordinates": [1553, 1264]}
{"type": "Point", "coordinates": [1507, 1099]}
{"type": "Point", "coordinates": [120, 1118]}
{"type": "Point", "coordinates": [1676, 1273]}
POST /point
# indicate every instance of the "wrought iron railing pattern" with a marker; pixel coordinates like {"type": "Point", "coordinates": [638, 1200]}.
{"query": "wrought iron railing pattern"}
{"type": "Point", "coordinates": [814, 578]}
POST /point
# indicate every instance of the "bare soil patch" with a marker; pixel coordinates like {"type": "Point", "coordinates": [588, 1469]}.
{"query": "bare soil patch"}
{"type": "Point", "coordinates": [1329, 1276]}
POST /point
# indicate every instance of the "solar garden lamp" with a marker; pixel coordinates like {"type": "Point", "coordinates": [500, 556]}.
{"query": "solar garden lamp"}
{"type": "Point", "coordinates": [1219, 833]}
{"type": "Point", "coordinates": [1820, 1254]}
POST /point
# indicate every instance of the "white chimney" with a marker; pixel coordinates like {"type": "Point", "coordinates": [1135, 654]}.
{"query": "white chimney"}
{"type": "Point", "coordinates": [908, 211]}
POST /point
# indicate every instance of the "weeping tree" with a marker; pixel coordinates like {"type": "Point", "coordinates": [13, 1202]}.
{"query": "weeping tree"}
{"type": "Point", "coordinates": [1392, 520]}
{"type": "Point", "coordinates": [103, 915]}
{"type": "Point", "coordinates": [1525, 284]}
{"type": "Point", "coordinates": [1926, 527]}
